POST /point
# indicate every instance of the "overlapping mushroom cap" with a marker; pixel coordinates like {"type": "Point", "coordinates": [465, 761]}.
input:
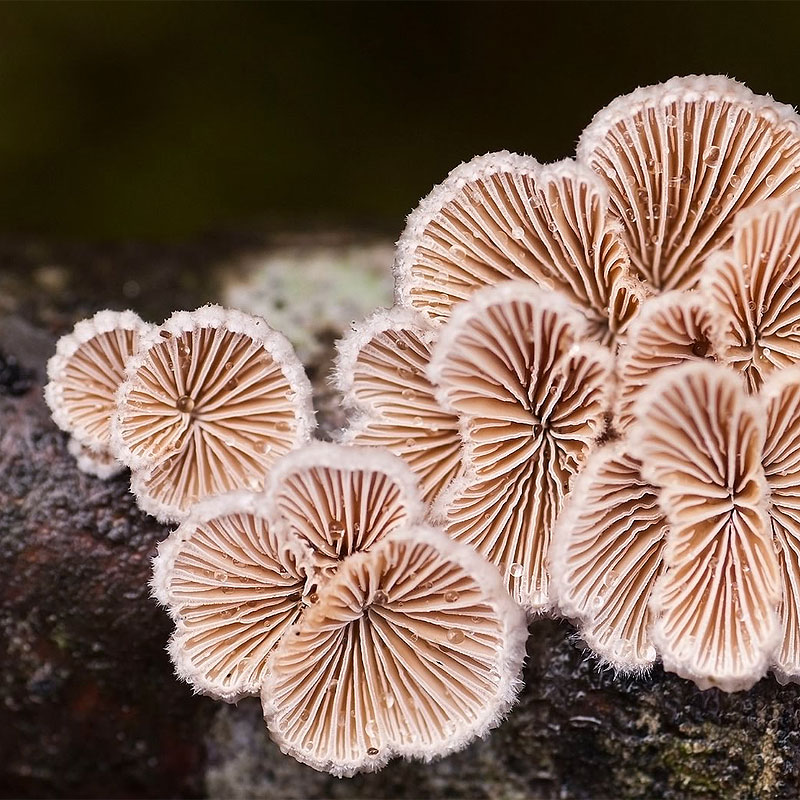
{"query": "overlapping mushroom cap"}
{"type": "Point", "coordinates": [367, 634]}
{"type": "Point", "coordinates": [84, 375]}
{"type": "Point", "coordinates": [212, 398]}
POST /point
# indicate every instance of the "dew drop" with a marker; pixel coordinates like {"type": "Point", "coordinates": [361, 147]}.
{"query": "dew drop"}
{"type": "Point", "coordinates": [516, 570]}
{"type": "Point", "coordinates": [401, 344]}
{"type": "Point", "coordinates": [408, 394]}
{"type": "Point", "coordinates": [388, 699]}
{"type": "Point", "coordinates": [700, 348]}
{"type": "Point", "coordinates": [373, 751]}
{"type": "Point", "coordinates": [517, 233]}
{"type": "Point", "coordinates": [458, 252]}
{"type": "Point", "coordinates": [335, 529]}
{"type": "Point", "coordinates": [455, 636]}
{"type": "Point", "coordinates": [413, 636]}
{"type": "Point", "coordinates": [451, 596]}
{"type": "Point", "coordinates": [770, 181]}
{"type": "Point", "coordinates": [165, 335]}
{"type": "Point", "coordinates": [711, 155]}
{"type": "Point", "coordinates": [283, 425]}
{"type": "Point", "coordinates": [220, 576]}
{"type": "Point", "coordinates": [380, 597]}
{"type": "Point", "coordinates": [261, 447]}
{"type": "Point", "coordinates": [313, 598]}
{"type": "Point", "coordinates": [735, 180]}
{"type": "Point", "coordinates": [184, 404]}
{"type": "Point", "coordinates": [371, 729]}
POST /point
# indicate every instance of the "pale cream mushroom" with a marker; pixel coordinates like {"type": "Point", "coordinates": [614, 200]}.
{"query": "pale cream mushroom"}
{"type": "Point", "coordinates": [781, 460]}
{"type": "Point", "coordinates": [210, 401]}
{"type": "Point", "coordinates": [700, 439]}
{"type": "Point", "coordinates": [414, 649]}
{"type": "Point", "coordinates": [381, 374]}
{"type": "Point", "coordinates": [754, 285]}
{"type": "Point", "coordinates": [671, 328]}
{"type": "Point", "coordinates": [531, 395]}
{"type": "Point", "coordinates": [233, 584]}
{"type": "Point", "coordinates": [504, 216]}
{"type": "Point", "coordinates": [680, 159]}
{"type": "Point", "coordinates": [606, 556]}
{"type": "Point", "coordinates": [84, 375]}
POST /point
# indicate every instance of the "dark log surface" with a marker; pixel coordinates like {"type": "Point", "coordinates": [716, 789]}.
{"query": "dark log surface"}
{"type": "Point", "coordinates": [90, 707]}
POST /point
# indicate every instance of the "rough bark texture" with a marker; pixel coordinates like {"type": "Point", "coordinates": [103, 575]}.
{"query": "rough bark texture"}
{"type": "Point", "coordinates": [90, 707]}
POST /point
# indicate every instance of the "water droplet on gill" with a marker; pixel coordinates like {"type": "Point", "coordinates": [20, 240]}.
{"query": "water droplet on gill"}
{"type": "Point", "coordinates": [414, 636]}
{"type": "Point", "coordinates": [185, 404]}
{"type": "Point", "coordinates": [335, 529]}
{"type": "Point", "coordinates": [455, 636]}
{"type": "Point", "coordinates": [451, 596]}
{"type": "Point", "coordinates": [401, 344]}
{"type": "Point", "coordinates": [516, 570]}
{"type": "Point", "coordinates": [735, 180]}
{"type": "Point", "coordinates": [711, 155]}
{"type": "Point", "coordinates": [700, 347]}
{"type": "Point", "coordinates": [228, 365]}
{"type": "Point", "coordinates": [387, 699]}
{"type": "Point", "coordinates": [220, 576]}
{"type": "Point", "coordinates": [165, 335]}
{"type": "Point", "coordinates": [232, 383]}
{"type": "Point", "coordinates": [408, 394]}
{"type": "Point", "coordinates": [309, 745]}
{"type": "Point", "coordinates": [552, 227]}
{"type": "Point", "coordinates": [671, 120]}
{"type": "Point", "coordinates": [517, 233]}
{"type": "Point", "coordinates": [262, 447]}
{"type": "Point", "coordinates": [283, 426]}
{"type": "Point", "coordinates": [458, 252]}
{"type": "Point", "coordinates": [313, 598]}
{"type": "Point", "coordinates": [371, 728]}
{"type": "Point", "coordinates": [380, 597]}
{"type": "Point", "coordinates": [373, 751]}
{"type": "Point", "coordinates": [254, 484]}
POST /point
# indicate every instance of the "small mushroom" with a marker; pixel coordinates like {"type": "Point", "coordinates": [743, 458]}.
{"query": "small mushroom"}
{"type": "Point", "coordinates": [680, 159]}
{"type": "Point", "coordinates": [504, 216]}
{"type": "Point", "coordinates": [700, 439]}
{"type": "Point", "coordinates": [671, 328]}
{"type": "Point", "coordinates": [606, 556]}
{"type": "Point", "coordinates": [84, 375]}
{"type": "Point", "coordinates": [381, 373]}
{"type": "Point", "coordinates": [210, 401]}
{"type": "Point", "coordinates": [413, 649]}
{"type": "Point", "coordinates": [753, 285]}
{"type": "Point", "coordinates": [233, 583]}
{"type": "Point", "coordinates": [531, 395]}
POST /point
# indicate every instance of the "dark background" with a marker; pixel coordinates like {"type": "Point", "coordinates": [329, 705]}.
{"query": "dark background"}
{"type": "Point", "coordinates": [161, 121]}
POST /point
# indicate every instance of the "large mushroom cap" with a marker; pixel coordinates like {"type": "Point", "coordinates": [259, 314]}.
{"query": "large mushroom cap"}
{"type": "Point", "coordinates": [413, 649]}
{"type": "Point", "coordinates": [381, 373]}
{"type": "Point", "coordinates": [753, 284]}
{"type": "Point", "coordinates": [84, 375]}
{"type": "Point", "coordinates": [531, 396]}
{"type": "Point", "coordinates": [504, 216]}
{"type": "Point", "coordinates": [700, 440]}
{"type": "Point", "coordinates": [680, 159]}
{"type": "Point", "coordinates": [233, 583]}
{"type": "Point", "coordinates": [342, 500]}
{"type": "Point", "coordinates": [211, 400]}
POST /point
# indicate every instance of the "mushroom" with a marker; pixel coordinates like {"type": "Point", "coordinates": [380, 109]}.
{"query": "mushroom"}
{"type": "Point", "coordinates": [680, 159]}
{"type": "Point", "coordinates": [531, 395]}
{"type": "Point", "coordinates": [210, 401]}
{"type": "Point", "coordinates": [84, 375]}
{"type": "Point", "coordinates": [381, 374]}
{"type": "Point", "coordinates": [413, 649]}
{"type": "Point", "coordinates": [700, 440]}
{"type": "Point", "coordinates": [607, 555]}
{"type": "Point", "coordinates": [233, 584]}
{"type": "Point", "coordinates": [504, 216]}
{"type": "Point", "coordinates": [753, 284]}
{"type": "Point", "coordinates": [781, 461]}
{"type": "Point", "coordinates": [671, 328]}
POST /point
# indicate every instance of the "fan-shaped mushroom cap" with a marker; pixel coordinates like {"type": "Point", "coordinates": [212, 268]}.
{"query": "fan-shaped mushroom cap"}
{"type": "Point", "coordinates": [700, 439]}
{"type": "Point", "coordinates": [531, 396]}
{"type": "Point", "coordinates": [754, 286]}
{"type": "Point", "coordinates": [85, 373]}
{"type": "Point", "coordinates": [380, 372]}
{"type": "Point", "coordinates": [607, 554]}
{"type": "Point", "coordinates": [671, 328]}
{"type": "Point", "coordinates": [680, 159]}
{"type": "Point", "coordinates": [504, 216]}
{"type": "Point", "coordinates": [413, 649]}
{"type": "Point", "coordinates": [342, 500]}
{"type": "Point", "coordinates": [781, 460]}
{"type": "Point", "coordinates": [233, 584]}
{"type": "Point", "coordinates": [213, 397]}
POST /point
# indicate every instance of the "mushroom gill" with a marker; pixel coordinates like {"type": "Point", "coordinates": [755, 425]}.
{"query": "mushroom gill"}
{"type": "Point", "coordinates": [531, 396]}
{"type": "Point", "coordinates": [504, 216]}
{"type": "Point", "coordinates": [680, 159]}
{"type": "Point", "coordinates": [700, 440]}
{"type": "Point", "coordinates": [233, 584]}
{"type": "Point", "coordinates": [381, 373]}
{"type": "Point", "coordinates": [413, 649]}
{"type": "Point", "coordinates": [753, 284]}
{"type": "Point", "coordinates": [211, 400]}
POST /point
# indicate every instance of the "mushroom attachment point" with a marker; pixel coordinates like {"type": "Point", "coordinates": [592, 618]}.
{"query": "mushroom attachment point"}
{"type": "Point", "coordinates": [531, 395]}
{"type": "Point", "coordinates": [680, 159]}
{"type": "Point", "coordinates": [84, 376]}
{"type": "Point", "coordinates": [381, 372]}
{"type": "Point", "coordinates": [413, 649]}
{"type": "Point", "coordinates": [700, 439]}
{"type": "Point", "coordinates": [504, 216]}
{"type": "Point", "coordinates": [211, 400]}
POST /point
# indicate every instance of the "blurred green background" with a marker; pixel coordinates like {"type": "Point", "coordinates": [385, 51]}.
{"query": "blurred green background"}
{"type": "Point", "coordinates": [160, 121]}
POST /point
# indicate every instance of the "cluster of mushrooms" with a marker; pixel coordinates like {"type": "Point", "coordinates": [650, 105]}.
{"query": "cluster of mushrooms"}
{"type": "Point", "coordinates": [585, 401]}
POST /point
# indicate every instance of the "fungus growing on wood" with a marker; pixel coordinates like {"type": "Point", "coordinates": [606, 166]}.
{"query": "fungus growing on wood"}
{"type": "Point", "coordinates": [680, 159]}
{"type": "Point", "coordinates": [670, 329]}
{"type": "Point", "coordinates": [84, 375]}
{"type": "Point", "coordinates": [607, 555]}
{"type": "Point", "coordinates": [413, 649]}
{"type": "Point", "coordinates": [754, 283]}
{"type": "Point", "coordinates": [504, 216]}
{"type": "Point", "coordinates": [210, 401]}
{"type": "Point", "coordinates": [700, 440]}
{"type": "Point", "coordinates": [531, 395]}
{"type": "Point", "coordinates": [381, 373]}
